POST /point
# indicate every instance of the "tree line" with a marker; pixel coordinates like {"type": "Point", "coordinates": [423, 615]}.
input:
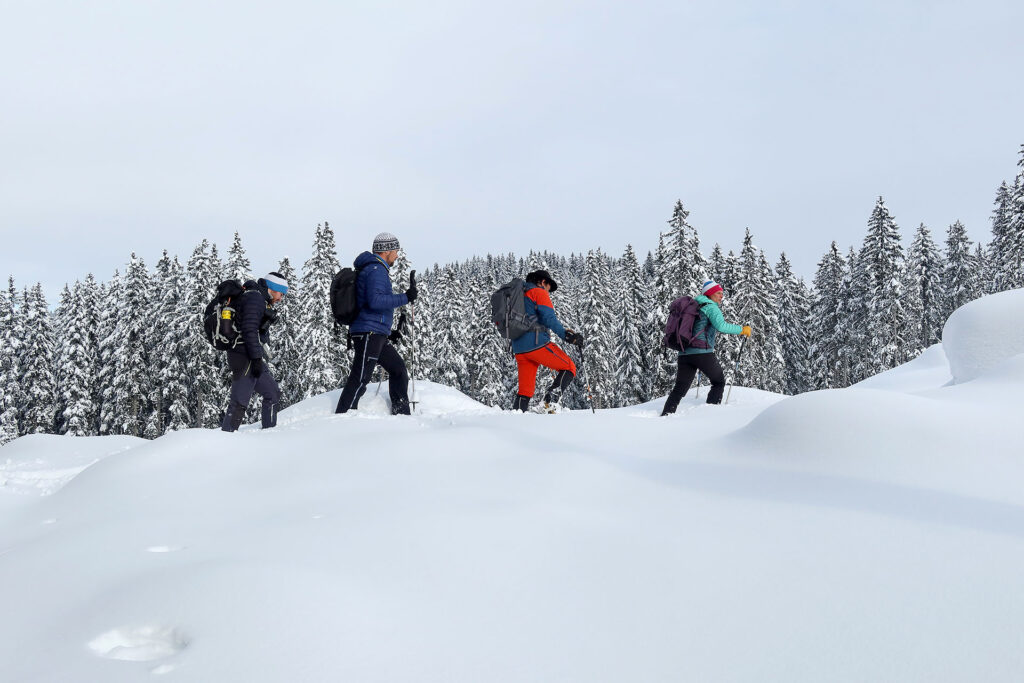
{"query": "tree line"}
{"type": "Point", "coordinates": [128, 355]}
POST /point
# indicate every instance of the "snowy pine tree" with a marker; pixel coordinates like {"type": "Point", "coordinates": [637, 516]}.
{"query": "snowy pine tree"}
{"type": "Point", "coordinates": [10, 343]}
{"type": "Point", "coordinates": [323, 366]}
{"type": "Point", "coordinates": [880, 267]}
{"type": "Point", "coordinates": [597, 323]}
{"type": "Point", "coordinates": [133, 377]}
{"type": "Point", "coordinates": [793, 304]}
{"type": "Point", "coordinates": [172, 408]}
{"type": "Point", "coordinates": [1011, 267]}
{"type": "Point", "coordinates": [826, 322]}
{"type": "Point", "coordinates": [35, 364]}
{"type": "Point", "coordinates": [78, 362]}
{"type": "Point", "coordinates": [238, 266]}
{"type": "Point", "coordinates": [1000, 247]}
{"type": "Point", "coordinates": [958, 277]}
{"type": "Point", "coordinates": [632, 342]}
{"type": "Point", "coordinates": [924, 289]}
{"type": "Point", "coordinates": [206, 397]}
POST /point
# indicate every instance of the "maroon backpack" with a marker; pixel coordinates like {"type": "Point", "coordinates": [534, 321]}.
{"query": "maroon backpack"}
{"type": "Point", "coordinates": [682, 314]}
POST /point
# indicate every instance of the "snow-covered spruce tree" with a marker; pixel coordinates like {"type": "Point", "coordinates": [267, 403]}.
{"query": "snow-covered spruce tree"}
{"type": "Point", "coordinates": [792, 301]}
{"type": "Point", "coordinates": [422, 359]}
{"type": "Point", "coordinates": [133, 378]}
{"type": "Point", "coordinates": [924, 288]}
{"type": "Point", "coordinates": [980, 282]}
{"type": "Point", "coordinates": [853, 313]}
{"type": "Point", "coordinates": [490, 354]}
{"type": "Point", "coordinates": [761, 364]}
{"type": "Point", "coordinates": [10, 342]}
{"type": "Point", "coordinates": [1012, 265]}
{"type": "Point", "coordinates": [170, 352]}
{"type": "Point", "coordinates": [662, 362]}
{"type": "Point", "coordinates": [686, 266]}
{"type": "Point", "coordinates": [109, 308]}
{"type": "Point", "coordinates": [632, 342]}
{"type": "Point", "coordinates": [288, 346]}
{"type": "Point", "coordinates": [958, 277]}
{"type": "Point", "coordinates": [59, 329]}
{"type": "Point", "coordinates": [881, 263]}
{"type": "Point", "coordinates": [238, 266]}
{"type": "Point", "coordinates": [35, 364]}
{"type": "Point", "coordinates": [202, 362]}
{"type": "Point", "coordinates": [450, 341]}
{"type": "Point", "coordinates": [323, 366]}
{"type": "Point", "coordinates": [825, 324]}
{"type": "Point", "coordinates": [598, 326]}
{"type": "Point", "coordinates": [78, 362]}
{"type": "Point", "coordinates": [1000, 246]}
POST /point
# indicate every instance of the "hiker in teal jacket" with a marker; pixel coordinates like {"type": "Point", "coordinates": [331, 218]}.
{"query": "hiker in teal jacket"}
{"type": "Point", "coordinates": [700, 354]}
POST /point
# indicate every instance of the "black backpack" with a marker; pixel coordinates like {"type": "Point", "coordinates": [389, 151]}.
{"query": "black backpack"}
{"type": "Point", "coordinates": [508, 311]}
{"type": "Point", "coordinates": [344, 306]}
{"type": "Point", "coordinates": [220, 319]}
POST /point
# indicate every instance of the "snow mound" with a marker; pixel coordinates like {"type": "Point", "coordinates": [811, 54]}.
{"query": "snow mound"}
{"type": "Point", "coordinates": [41, 464]}
{"type": "Point", "coordinates": [982, 334]}
{"type": "Point", "coordinates": [930, 370]}
{"type": "Point", "coordinates": [432, 400]}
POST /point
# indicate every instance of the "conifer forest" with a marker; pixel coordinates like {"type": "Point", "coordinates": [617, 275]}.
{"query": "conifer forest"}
{"type": "Point", "coordinates": [127, 354]}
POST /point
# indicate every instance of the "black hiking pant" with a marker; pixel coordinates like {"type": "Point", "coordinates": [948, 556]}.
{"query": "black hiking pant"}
{"type": "Point", "coordinates": [242, 385]}
{"type": "Point", "coordinates": [372, 349]}
{"type": "Point", "coordinates": [688, 367]}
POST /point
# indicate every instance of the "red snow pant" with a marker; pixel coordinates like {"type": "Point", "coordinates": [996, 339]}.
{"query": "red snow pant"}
{"type": "Point", "coordinates": [550, 356]}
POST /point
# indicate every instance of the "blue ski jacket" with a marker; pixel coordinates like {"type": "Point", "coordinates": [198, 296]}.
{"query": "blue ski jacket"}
{"type": "Point", "coordinates": [376, 302]}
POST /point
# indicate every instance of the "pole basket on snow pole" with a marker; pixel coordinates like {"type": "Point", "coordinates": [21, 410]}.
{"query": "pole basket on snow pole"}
{"type": "Point", "coordinates": [735, 369]}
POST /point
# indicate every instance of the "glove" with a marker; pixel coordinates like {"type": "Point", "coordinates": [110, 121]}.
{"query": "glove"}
{"type": "Point", "coordinates": [412, 292]}
{"type": "Point", "coordinates": [256, 367]}
{"type": "Point", "coordinates": [395, 336]}
{"type": "Point", "coordinates": [574, 338]}
{"type": "Point", "coordinates": [746, 331]}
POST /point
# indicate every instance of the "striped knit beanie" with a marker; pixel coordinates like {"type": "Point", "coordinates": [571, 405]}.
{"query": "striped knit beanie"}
{"type": "Point", "coordinates": [276, 282]}
{"type": "Point", "coordinates": [711, 287]}
{"type": "Point", "coordinates": [385, 242]}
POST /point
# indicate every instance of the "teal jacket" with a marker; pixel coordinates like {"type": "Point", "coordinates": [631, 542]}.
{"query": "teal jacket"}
{"type": "Point", "coordinates": [708, 324]}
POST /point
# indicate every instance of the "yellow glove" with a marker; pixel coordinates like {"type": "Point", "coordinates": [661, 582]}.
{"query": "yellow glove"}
{"type": "Point", "coordinates": [746, 331]}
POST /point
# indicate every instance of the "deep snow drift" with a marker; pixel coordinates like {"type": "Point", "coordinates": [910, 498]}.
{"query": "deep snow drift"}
{"type": "Point", "coordinates": [870, 533]}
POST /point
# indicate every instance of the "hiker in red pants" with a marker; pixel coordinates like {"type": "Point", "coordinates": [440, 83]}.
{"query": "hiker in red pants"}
{"type": "Point", "coordinates": [535, 349]}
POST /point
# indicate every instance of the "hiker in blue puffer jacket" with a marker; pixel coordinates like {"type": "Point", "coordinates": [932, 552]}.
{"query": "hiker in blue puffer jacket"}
{"type": "Point", "coordinates": [371, 330]}
{"type": "Point", "coordinates": [700, 355]}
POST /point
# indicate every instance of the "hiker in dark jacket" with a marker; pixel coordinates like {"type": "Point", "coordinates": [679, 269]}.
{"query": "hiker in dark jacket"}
{"type": "Point", "coordinates": [534, 349]}
{"type": "Point", "coordinates": [249, 371]}
{"type": "Point", "coordinates": [700, 355]}
{"type": "Point", "coordinates": [371, 332]}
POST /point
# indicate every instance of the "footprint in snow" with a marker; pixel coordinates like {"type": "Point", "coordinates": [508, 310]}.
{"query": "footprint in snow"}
{"type": "Point", "coordinates": [139, 643]}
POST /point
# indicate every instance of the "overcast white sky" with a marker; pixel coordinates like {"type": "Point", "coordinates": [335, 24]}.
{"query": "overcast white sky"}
{"type": "Point", "coordinates": [467, 127]}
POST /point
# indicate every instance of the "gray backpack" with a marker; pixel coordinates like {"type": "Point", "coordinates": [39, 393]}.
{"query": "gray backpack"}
{"type": "Point", "coordinates": [508, 311]}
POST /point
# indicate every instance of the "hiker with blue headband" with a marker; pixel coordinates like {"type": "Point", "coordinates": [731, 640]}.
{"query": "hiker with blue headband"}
{"type": "Point", "coordinates": [248, 359]}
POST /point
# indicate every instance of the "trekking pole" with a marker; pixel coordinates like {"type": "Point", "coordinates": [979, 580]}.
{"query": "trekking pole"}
{"type": "Point", "coordinates": [698, 385]}
{"type": "Point", "coordinates": [735, 369]}
{"type": "Point", "coordinates": [412, 342]}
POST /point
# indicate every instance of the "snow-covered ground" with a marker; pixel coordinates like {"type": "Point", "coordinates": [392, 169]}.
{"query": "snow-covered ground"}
{"type": "Point", "coordinates": [874, 533]}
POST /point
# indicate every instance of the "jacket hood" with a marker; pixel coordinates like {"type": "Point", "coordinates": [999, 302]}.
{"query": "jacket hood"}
{"type": "Point", "coordinates": [365, 259]}
{"type": "Point", "coordinates": [704, 300]}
